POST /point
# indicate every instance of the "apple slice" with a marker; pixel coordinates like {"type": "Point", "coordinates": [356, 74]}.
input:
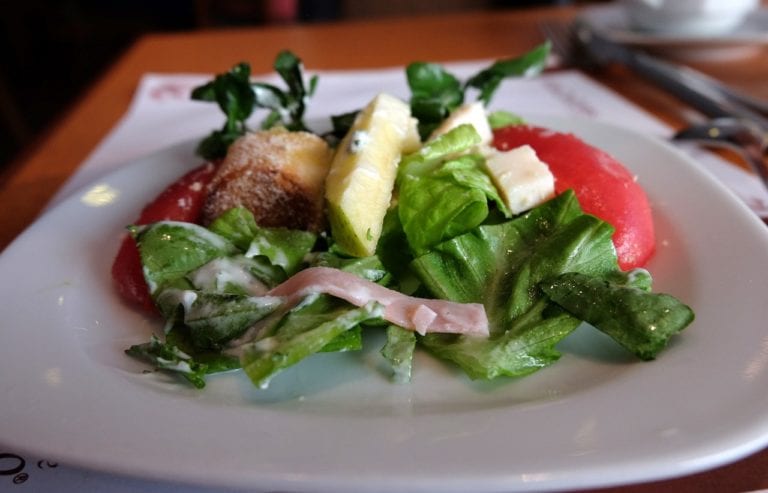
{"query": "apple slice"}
{"type": "Point", "coordinates": [358, 188]}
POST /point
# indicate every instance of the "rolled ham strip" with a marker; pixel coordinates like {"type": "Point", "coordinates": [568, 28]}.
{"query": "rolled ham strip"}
{"type": "Point", "coordinates": [421, 315]}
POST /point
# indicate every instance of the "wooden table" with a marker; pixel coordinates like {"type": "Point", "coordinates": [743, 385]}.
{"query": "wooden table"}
{"type": "Point", "coordinates": [34, 178]}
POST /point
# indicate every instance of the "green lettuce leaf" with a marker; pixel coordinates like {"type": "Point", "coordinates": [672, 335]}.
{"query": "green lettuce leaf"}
{"type": "Point", "coordinates": [168, 356]}
{"type": "Point", "coordinates": [435, 92]}
{"type": "Point", "coordinates": [398, 351]}
{"type": "Point", "coordinates": [501, 266]}
{"type": "Point", "coordinates": [442, 192]}
{"type": "Point", "coordinates": [266, 357]}
{"type": "Point", "coordinates": [214, 319]}
{"type": "Point", "coordinates": [283, 247]}
{"type": "Point", "coordinates": [642, 322]}
{"type": "Point", "coordinates": [169, 250]}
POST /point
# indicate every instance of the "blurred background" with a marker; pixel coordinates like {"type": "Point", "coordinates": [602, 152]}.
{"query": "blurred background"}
{"type": "Point", "coordinates": [55, 49]}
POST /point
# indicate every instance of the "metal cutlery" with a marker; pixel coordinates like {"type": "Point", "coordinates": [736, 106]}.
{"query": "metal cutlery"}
{"type": "Point", "coordinates": [739, 121]}
{"type": "Point", "coordinates": [580, 44]}
{"type": "Point", "coordinates": [743, 136]}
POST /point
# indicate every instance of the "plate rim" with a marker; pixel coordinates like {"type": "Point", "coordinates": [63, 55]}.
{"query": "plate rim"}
{"type": "Point", "coordinates": [426, 484]}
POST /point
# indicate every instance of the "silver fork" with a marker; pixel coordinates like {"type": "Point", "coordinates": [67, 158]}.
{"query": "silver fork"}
{"type": "Point", "coordinates": [742, 135]}
{"type": "Point", "coordinates": [576, 45]}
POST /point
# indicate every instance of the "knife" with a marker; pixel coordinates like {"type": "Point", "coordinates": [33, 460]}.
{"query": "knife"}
{"type": "Point", "coordinates": [712, 98]}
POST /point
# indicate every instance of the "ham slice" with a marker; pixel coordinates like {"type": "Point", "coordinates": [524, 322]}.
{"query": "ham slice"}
{"type": "Point", "coordinates": [421, 315]}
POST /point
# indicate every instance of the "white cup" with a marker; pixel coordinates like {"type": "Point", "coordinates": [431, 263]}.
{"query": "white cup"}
{"type": "Point", "coordinates": [688, 17]}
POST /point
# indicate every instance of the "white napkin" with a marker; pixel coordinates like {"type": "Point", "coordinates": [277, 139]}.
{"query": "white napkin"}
{"type": "Point", "coordinates": [162, 114]}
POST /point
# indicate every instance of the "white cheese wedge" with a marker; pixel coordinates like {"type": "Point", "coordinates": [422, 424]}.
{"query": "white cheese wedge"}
{"type": "Point", "coordinates": [472, 113]}
{"type": "Point", "coordinates": [523, 180]}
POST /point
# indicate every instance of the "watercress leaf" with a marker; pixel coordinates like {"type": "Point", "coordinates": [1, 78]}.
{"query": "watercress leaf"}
{"type": "Point", "coordinates": [435, 92]}
{"type": "Point", "coordinates": [268, 96]}
{"type": "Point", "coordinates": [430, 80]}
{"type": "Point", "coordinates": [642, 322]}
{"type": "Point", "coordinates": [288, 66]}
{"type": "Point", "coordinates": [342, 123]}
{"type": "Point", "coordinates": [206, 92]}
{"type": "Point", "coordinates": [312, 85]}
{"type": "Point", "coordinates": [237, 97]}
{"type": "Point", "coordinates": [231, 91]}
{"type": "Point", "coordinates": [488, 80]}
{"type": "Point", "coordinates": [215, 145]}
{"type": "Point", "coordinates": [234, 95]}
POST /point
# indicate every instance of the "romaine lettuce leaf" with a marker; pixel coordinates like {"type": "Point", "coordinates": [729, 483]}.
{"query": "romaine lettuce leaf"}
{"type": "Point", "coordinates": [398, 351]}
{"type": "Point", "coordinates": [455, 142]}
{"type": "Point", "coordinates": [500, 266]}
{"type": "Point", "coordinates": [169, 250]}
{"type": "Point", "coordinates": [168, 356]}
{"type": "Point", "coordinates": [444, 192]}
{"type": "Point", "coordinates": [266, 357]}
{"type": "Point", "coordinates": [283, 247]}
{"type": "Point", "coordinates": [213, 318]}
{"type": "Point", "coordinates": [435, 208]}
{"type": "Point", "coordinates": [640, 321]}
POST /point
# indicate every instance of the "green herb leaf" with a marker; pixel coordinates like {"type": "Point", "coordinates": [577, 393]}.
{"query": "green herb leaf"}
{"type": "Point", "coordinates": [640, 321]}
{"type": "Point", "coordinates": [434, 94]}
{"type": "Point", "coordinates": [488, 80]}
{"type": "Point", "coordinates": [237, 97]}
{"type": "Point", "coordinates": [169, 250]}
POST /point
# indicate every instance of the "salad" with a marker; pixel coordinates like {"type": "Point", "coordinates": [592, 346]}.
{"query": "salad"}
{"type": "Point", "coordinates": [471, 235]}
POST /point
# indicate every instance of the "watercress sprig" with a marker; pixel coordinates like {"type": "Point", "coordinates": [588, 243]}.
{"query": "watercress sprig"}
{"type": "Point", "coordinates": [238, 97]}
{"type": "Point", "coordinates": [435, 92]}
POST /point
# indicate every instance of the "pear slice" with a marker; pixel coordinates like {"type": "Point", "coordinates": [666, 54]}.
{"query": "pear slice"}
{"type": "Point", "coordinates": [358, 188]}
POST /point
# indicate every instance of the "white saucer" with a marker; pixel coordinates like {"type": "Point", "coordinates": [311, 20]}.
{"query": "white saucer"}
{"type": "Point", "coordinates": [612, 22]}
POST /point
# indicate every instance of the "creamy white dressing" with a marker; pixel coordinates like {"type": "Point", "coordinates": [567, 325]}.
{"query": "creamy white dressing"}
{"type": "Point", "coordinates": [259, 246]}
{"type": "Point", "coordinates": [200, 234]}
{"type": "Point", "coordinates": [217, 274]}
